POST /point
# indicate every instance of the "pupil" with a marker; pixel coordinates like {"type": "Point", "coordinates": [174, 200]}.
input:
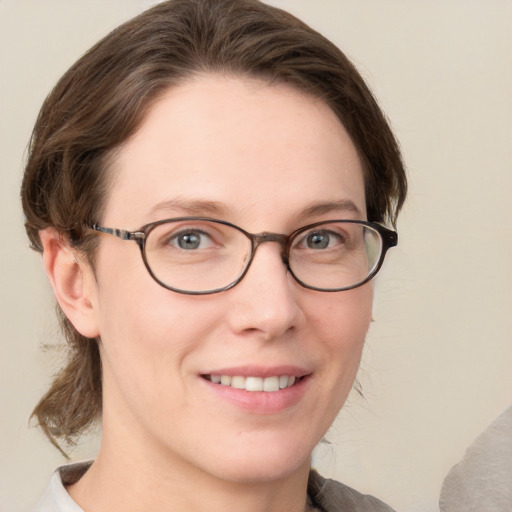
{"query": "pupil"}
{"type": "Point", "coordinates": [189, 241]}
{"type": "Point", "coordinates": [317, 241]}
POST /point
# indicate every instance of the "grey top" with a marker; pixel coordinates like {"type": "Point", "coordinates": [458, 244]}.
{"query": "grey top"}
{"type": "Point", "coordinates": [332, 496]}
{"type": "Point", "coordinates": [323, 495]}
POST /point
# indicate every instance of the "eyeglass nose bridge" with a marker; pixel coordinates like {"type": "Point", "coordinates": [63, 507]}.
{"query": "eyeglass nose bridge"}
{"type": "Point", "coordinates": [283, 240]}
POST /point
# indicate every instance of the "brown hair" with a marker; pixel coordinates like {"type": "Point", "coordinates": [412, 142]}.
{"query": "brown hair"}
{"type": "Point", "coordinates": [101, 101]}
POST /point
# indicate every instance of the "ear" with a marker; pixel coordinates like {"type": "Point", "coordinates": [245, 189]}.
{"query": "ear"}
{"type": "Point", "coordinates": [72, 280]}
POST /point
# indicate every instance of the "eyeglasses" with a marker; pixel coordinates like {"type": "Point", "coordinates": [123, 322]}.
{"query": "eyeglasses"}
{"type": "Point", "coordinates": [199, 255]}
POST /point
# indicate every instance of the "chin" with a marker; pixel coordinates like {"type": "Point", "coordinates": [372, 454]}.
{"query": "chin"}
{"type": "Point", "coordinates": [262, 461]}
{"type": "Point", "coordinates": [263, 472]}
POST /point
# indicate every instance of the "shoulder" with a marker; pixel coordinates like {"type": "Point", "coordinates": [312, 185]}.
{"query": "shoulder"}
{"type": "Point", "coordinates": [332, 496]}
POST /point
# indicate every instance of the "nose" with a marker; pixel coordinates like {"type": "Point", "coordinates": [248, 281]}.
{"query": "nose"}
{"type": "Point", "coordinates": [265, 303]}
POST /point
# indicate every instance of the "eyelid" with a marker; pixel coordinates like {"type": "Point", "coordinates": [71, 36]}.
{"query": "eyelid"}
{"type": "Point", "coordinates": [211, 232]}
{"type": "Point", "coordinates": [329, 225]}
{"type": "Point", "coordinates": [199, 225]}
{"type": "Point", "coordinates": [302, 237]}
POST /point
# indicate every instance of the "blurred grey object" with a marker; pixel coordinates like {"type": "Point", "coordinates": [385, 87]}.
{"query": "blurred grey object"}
{"type": "Point", "coordinates": [482, 480]}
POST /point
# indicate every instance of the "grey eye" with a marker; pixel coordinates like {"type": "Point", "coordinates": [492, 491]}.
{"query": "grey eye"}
{"type": "Point", "coordinates": [190, 240]}
{"type": "Point", "coordinates": [321, 239]}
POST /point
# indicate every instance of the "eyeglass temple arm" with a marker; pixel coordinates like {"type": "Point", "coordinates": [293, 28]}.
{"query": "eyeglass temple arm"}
{"type": "Point", "coordinates": [123, 234]}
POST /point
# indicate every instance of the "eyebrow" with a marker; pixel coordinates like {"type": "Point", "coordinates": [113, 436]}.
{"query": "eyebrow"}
{"type": "Point", "coordinates": [201, 207]}
{"type": "Point", "coordinates": [325, 207]}
{"type": "Point", "coordinates": [189, 207]}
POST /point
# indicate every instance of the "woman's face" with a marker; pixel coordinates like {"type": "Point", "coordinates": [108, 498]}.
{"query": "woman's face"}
{"type": "Point", "coordinates": [266, 158]}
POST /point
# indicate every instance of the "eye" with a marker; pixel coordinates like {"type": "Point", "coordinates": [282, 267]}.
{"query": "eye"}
{"type": "Point", "coordinates": [190, 240]}
{"type": "Point", "coordinates": [322, 239]}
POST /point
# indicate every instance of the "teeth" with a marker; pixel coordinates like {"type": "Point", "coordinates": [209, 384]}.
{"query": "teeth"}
{"type": "Point", "coordinates": [225, 380]}
{"type": "Point", "coordinates": [269, 384]}
{"type": "Point", "coordinates": [253, 384]}
{"type": "Point", "coordinates": [238, 382]}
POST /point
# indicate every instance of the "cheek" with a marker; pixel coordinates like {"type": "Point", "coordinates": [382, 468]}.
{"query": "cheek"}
{"type": "Point", "coordinates": [136, 319]}
{"type": "Point", "coordinates": [147, 332]}
{"type": "Point", "coordinates": [149, 328]}
{"type": "Point", "coordinates": [342, 323]}
{"type": "Point", "coordinates": [343, 318]}
{"type": "Point", "coordinates": [146, 346]}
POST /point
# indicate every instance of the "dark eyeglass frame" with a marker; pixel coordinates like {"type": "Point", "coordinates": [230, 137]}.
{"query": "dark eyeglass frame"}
{"type": "Point", "coordinates": [388, 236]}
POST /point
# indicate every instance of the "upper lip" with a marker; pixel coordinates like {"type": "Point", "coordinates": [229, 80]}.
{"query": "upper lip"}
{"type": "Point", "coordinates": [260, 371]}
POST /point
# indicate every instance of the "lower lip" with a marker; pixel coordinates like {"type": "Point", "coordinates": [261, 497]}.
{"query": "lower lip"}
{"type": "Point", "coordinates": [261, 402]}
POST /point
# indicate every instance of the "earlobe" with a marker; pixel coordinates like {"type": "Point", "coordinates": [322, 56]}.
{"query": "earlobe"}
{"type": "Point", "coordinates": [72, 281]}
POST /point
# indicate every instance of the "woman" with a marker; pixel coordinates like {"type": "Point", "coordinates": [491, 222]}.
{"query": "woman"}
{"type": "Point", "coordinates": [207, 186]}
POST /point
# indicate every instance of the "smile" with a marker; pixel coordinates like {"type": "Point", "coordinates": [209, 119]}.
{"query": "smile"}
{"type": "Point", "coordinates": [269, 384]}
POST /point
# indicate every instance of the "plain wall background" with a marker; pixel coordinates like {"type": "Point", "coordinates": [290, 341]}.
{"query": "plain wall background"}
{"type": "Point", "coordinates": [437, 366]}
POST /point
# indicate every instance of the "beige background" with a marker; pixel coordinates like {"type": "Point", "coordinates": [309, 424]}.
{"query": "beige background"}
{"type": "Point", "coordinates": [437, 368]}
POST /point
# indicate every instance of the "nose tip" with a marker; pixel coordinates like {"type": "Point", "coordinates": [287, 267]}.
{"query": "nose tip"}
{"type": "Point", "coordinates": [265, 300]}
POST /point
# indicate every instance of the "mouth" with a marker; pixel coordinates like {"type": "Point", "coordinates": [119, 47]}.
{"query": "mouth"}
{"type": "Point", "coordinates": [269, 384]}
{"type": "Point", "coordinates": [260, 390]}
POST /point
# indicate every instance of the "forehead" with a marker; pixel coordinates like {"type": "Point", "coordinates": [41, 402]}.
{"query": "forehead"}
{"type": "Point", "coordinates": [253, 149]}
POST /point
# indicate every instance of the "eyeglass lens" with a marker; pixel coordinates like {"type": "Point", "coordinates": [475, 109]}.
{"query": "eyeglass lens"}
{"type": "Point", "coordinates": [203, 255]}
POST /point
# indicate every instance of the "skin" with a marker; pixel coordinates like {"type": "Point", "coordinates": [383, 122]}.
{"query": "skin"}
{"type": "Point", "coordinates": [263, 154]}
